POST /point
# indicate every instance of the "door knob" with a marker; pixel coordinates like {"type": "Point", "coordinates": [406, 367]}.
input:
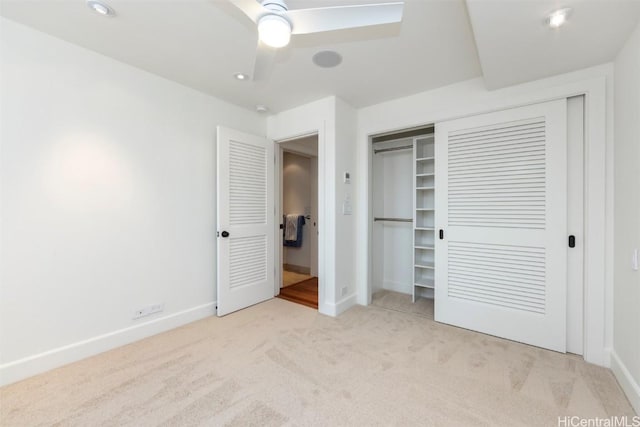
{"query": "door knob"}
{"type": "Point", "coordinates": [225, 234]}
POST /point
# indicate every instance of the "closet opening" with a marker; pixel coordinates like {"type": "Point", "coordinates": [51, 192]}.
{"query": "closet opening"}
{"type": "Point", "coordinates": [402, 255]}
{"type": "Point", "coordinates": [299, 222]}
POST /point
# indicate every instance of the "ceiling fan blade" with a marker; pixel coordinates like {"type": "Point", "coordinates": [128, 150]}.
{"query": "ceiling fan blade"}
{"type": "Point", "coordinates": [339, 17]}
{"type": "Point", "coordinates": [263, 64]}
{"type": "Point", "coordinates": [251, 8]}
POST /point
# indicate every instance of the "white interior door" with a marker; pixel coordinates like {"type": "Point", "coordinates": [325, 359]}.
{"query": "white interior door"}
{"type": "Point", "coordinates": [245, 220]}
{"type": "Point", "coordinates": [501, 201]}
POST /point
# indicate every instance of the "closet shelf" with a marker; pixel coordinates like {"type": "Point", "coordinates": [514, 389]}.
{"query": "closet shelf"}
{"type": "Point", "coordinates": [425, 283]}
{"type": "Point", "coordinates": [424, 213]}
{"type": "Point", "coordinates": [393, 219]}
{"type": "Point", "coordinates": [430, 267]}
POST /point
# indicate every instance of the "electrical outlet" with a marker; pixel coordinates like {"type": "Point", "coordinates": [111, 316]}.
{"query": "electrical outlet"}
{"type": "Point", "coordinates": [148, 310]}
{"type": "Point", "coordinates": [157, 308]}
{"type": "Point", "coordinates": [344, 290]}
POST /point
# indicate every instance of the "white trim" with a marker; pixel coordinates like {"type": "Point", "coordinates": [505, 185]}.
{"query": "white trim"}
{"type": "Point", "coordinates": [297, 123]}
{"type": "Point", "coordinates": [607, 356]}
{"type": "Point", "coordinates": [595, 223]}
{"type": "Point", "coordinates": [320, 155]}
{"type": "Point", "coordinates": [279, 187]}
{"type": "Point", "coordinates": [598, 210]}
{"type": "Point", "coordinates": [629, 385]}
{"type": "Point", "coordinates": [341, 306]}
{"type": "Point", "coordinates": [279, 251]}
{"type": "Point", "coordinates": [36, 364]}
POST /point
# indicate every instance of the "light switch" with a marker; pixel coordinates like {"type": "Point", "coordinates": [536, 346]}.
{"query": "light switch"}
{"type": "Point", "coordinates": [347, 178]}
{"type": "Point", "coordinates": [346, 208]}
{"type": "Point", "coordinates": [634, 260]}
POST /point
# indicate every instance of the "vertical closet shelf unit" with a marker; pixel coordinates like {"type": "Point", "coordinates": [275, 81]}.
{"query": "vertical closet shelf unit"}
{"type": "Point", "coordinates": [423, 216]}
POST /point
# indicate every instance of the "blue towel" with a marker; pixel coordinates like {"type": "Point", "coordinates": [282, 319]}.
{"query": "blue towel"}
{"type": "Point", "coordinates": [298, 242]}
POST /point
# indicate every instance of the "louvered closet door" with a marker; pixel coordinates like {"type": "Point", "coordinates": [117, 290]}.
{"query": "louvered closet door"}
{"type": "Point", "coordinates": [501, 268]}
{"type": "Point", "coordinates": [245, 220]}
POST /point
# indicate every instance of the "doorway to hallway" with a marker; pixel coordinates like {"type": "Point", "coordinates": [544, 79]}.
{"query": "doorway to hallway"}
{"type": "Point", "coordinates": [299, 207]}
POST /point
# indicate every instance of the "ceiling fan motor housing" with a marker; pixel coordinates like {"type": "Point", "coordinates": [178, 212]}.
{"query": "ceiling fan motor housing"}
{"type": "Point", "coordinates": [277, 6]}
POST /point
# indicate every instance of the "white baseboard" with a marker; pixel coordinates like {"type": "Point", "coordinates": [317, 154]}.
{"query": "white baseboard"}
{"type": "Point", "coordinates": [36, 364]}
{"type": "Point", "coordinates": [340, 307]}
{"type": "Point", "coordinates": [606, 357]}
{"type": "Point", "coordinates": [627, 382]}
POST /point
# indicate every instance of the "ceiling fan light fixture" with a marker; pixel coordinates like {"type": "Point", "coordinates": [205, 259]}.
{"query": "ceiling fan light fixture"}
{"type": "Point", "coordinates": [274, 30]}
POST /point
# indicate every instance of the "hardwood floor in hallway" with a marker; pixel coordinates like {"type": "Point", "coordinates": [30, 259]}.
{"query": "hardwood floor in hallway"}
{"type": "Point", "coordinates": [305, 293]}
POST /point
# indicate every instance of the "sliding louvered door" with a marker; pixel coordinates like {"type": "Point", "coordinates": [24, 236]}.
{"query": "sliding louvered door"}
{"type": "Point", "coordinates": [501, 262]}
{"type": "Point", "coordinates": [245, 195]}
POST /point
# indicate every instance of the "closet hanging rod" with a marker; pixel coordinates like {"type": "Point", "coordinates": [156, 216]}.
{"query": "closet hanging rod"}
{"type": "Point", "coordinates": [394, 219]}
{"type": "Point", "coordinates": [382, 150]}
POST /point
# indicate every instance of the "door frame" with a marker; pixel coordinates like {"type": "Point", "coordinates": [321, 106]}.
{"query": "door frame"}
{"type": "Point", "coordinates": [598, 321]}
{"type": "Point", "coordinates": [575, 223]}
{"type": "Point", "coordinates": [320, 190]}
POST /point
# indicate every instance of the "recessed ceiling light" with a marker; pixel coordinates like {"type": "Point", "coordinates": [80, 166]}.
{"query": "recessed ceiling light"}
{"type": "Point", "coordinates": [261, 108]}
{"type": "Point", "coordinates": [241, 76]}
{"type": "Point", "coordinates": [558, 18]}
{"type": "Point", "coordinates": [327, 59]}
{"type": "Point", "coordinates": [101, 8]}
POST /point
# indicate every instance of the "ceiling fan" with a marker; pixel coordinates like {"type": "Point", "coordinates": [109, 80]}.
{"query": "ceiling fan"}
{"type": "Point", "coordinates": [276, 23]}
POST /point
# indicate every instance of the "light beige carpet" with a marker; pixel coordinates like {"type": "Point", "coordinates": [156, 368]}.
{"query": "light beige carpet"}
{"type": "Point", "coordinates": [291, 278]}
{"type": "Point", "coordinates": [396, 301]}
{"type": "Point", "coordinates": [279, 363]}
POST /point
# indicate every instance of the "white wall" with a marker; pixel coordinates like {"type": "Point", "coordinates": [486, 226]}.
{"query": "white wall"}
{"type": "Point", "coordinates": [471, 97]}
{"type": "Point", "coordinates": [392, 246]}
{"type": "Point", "coordinates": [346, 236]}
{"type": "Point", "coordinates": [108, 201]}
{"type": "Point", "coordinates": [626, 344]}
{"type": "Point", "coordinates": [296, 199]}
{"type": "Point", "coordinates": [398, 236]}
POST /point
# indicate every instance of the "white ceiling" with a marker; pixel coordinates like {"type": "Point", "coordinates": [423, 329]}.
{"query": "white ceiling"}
{"type": "Point", "coordinates": [202, 43]}
{"type": "Point", "coordinates": [516, 46]}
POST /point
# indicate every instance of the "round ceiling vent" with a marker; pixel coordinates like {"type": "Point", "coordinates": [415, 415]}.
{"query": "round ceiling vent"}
{"type": "Point", "coordinates": [327, 59]}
